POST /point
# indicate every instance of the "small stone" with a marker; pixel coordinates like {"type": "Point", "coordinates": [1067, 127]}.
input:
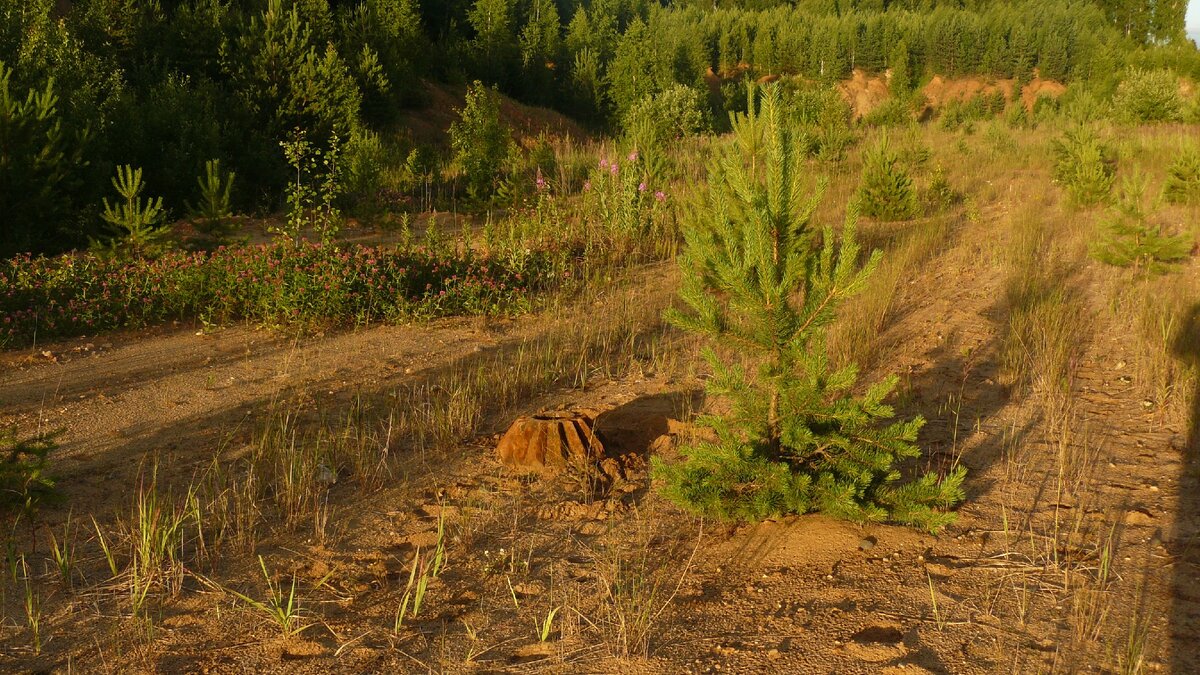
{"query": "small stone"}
{"type": "Point", "coordinates": [1139, 517]}
{"type": "Point", "coordinates": [867, 543]}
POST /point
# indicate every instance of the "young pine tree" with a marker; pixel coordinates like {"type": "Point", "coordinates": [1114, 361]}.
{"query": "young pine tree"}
{"type": "Point", "coordinates": [1183, 179]}
{"type": "Point", "coordinates": [1084, 165]}
{"type": "Point", "coordinates": [135, 222]}
{"type": "Point", "coordinates": [886, 191]}
{"type": "Point", "coordinates": [212, 214]}
{"type": "Point", "coordinates": [1130, 239]}
{"type": "Point", "coordinates": [757, 283]}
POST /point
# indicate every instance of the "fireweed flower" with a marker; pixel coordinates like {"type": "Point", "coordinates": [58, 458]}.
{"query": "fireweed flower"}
{"type": "Point", "coordinates": [613, 169]}
{"type": "Point", "coordinates": [540, 182]}
{"type": "Point", "coordinates": [587, 185]}
{"type": "Point", "coordinates": [603, 163]}
{"type": "Point", "coordinates": [642, 187]}
{"type": "Point", "coordinates": [660, 196]}
{"type": "Point", "coordinates": [633, 156]}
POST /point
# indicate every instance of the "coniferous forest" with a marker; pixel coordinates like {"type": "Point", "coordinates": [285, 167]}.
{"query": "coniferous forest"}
{"type": "Point", "coordinates": [599, 336]}
{"type": "Point", "coordinates": [168, 86]}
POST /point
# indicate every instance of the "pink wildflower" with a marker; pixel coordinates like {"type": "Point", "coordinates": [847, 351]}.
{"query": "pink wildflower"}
{"type": "Point", "coordinates": [660, 196]}
{"type": "Point", "coordinates": [642, 187]}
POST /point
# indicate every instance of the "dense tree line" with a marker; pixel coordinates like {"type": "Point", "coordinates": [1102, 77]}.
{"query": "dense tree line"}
{"type": "Point", "coordinates": [167, 85]}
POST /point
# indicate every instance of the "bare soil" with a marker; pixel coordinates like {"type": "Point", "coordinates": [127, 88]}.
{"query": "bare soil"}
{"type": "Point", "coordinates": [635, 585]}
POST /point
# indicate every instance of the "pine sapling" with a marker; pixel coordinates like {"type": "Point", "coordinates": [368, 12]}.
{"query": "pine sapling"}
{"type": "Point", "coordinates": [1183, 179]}
{"type": "Point", "coordinates": [212, 215]}
{"type": "Point", "coordinates": [886, 191]}
{"type": "Point", "coordinates": [1084, 166]}
{"type": "Point", "coordinates": [135, 221]}
{"type": "Point", "coordinates": [759, 283]}
{"type": "Point", "coordinates": [1130, 239]}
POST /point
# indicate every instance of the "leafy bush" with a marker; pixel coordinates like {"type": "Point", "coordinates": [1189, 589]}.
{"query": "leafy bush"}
{"type": "Point", "coordinates": [1084, 165]}
{"type": "Point", "coordinates": [1130, 239]}
{"type": "Point", "coordinates": [1149, 96]}
{"type": "Point", "coordinates": [281, 283]}
{"type": "Point", "coordinates": [797, 439]}
{"type": "Point", "coordinates": [675, 113]}
{"type": "Point", "coordinates": [1183, 179]}
{"type": "Point", "coordinates": [824, 120]}
{"type": "Point", "coordinates": [886, 191]}
{"type": "Point", "coordinates": [480, 140]}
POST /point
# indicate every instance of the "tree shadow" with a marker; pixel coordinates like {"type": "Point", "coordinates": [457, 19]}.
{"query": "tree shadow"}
{"type": "Point", "coordinates": [1185, 539]}
{"type": "Point", "coordinates": [633, 427]}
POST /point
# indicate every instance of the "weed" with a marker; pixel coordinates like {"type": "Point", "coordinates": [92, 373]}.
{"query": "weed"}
{"type": "Point", "coordinates": [281, 608]}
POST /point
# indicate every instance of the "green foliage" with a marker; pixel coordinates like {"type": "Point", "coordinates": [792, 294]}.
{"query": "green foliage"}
{"type": "Point", "coordinates": [38, 166]}
{"type": "Point", "coordinates": [365, 160]}
{"type": "Point", "coordinates": [1129, 238]}
{"type": "Point", "coordinates": [315, 189]}
{"type": "Point", "coordinates": [1149, 96]}
{"type": "Point", "coordinates": [135, 222]}
{"type": "Point", "coordinates": [480, 140]}
{"type": "Point", "coordinates": [1084, 165]}
{"type": "Point", "coordinates": [24, 481]}
{"type": "Point", "coordinates": [1183, 179]}
{"type": "Point", "coordinates": [288, 78]}
{"type": "Point", "coordinates": [886, 191]}
{"type": "Point", "coordinates": [758, 283]}
{"type": "Point", "coordinates": [658, 122]}
{"type": "Point", "coordinates": [824, 120]}
{"type": "Point", "coordinates": [212, 214]}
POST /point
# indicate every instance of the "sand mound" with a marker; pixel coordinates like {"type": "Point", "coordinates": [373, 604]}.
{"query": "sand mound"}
{"type": "Point", "coordinates": [863, 92]}
{"type": "Point", "coordinates": [940, 91]}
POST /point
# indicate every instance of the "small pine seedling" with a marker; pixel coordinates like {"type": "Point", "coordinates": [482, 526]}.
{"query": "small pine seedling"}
{"type": "Point", "coordinates": [1130, 239]}
{"type": "Point", "coordinates": [887, 190]}
{"type": "Point", "coordinates": [1183, 179]}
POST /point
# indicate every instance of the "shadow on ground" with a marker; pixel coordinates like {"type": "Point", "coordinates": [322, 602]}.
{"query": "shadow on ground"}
{"type": "Point", "coordinates": [1185, 540]}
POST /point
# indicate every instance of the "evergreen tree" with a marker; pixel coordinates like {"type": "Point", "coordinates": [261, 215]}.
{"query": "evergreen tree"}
{"type": "Point", "coordinates": [758, 284]}
{"type": "Point", "coordinates": [1084, 165]}
{"type": "Point", "coordinates": [886, 191]}
{"type": "Point", "coordinates": [38, 160]}
{"type": "Point", "coordinates": [900, 83]}
{"type": "Point", "coordinates": [1130, 239]}
{"type": "Point", "coordinates": [495, 42]}
{"type": "Point", "coordinates": [1183, 179]}
{"type": "Point", "coordinates": [540, 46]}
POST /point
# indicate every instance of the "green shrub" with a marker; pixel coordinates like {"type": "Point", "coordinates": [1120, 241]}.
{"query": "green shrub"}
{"type": "Point", "coordinates": [1148, 96]}
{"type": "Point", "coordinates": [24, 481]}
{"type": "Point", "coordinates": [480, 140]}
{"type": "Point", "coordinates": [797, 439]}
{"type": "Point", "coordinates": [364, 162]}
{"type": "Point", "coordinates": [1130, 239]}
{"type": "Point", "coordinates": [212, 214]}
{"type": "Point", "coordinates": [1183, 179]}
{"type": "Point", "coordinates": [1084, 166]}
{"type": "Point", "coordinates": [824, 121]}
{"type": "Point", "coordinates": [886, 191]}
{"type": "Point", "coordinates": [894, 112]}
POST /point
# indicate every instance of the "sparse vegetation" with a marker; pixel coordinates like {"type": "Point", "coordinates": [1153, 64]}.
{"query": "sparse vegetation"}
{"type": "Point", "coordinates": [278, 428]}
